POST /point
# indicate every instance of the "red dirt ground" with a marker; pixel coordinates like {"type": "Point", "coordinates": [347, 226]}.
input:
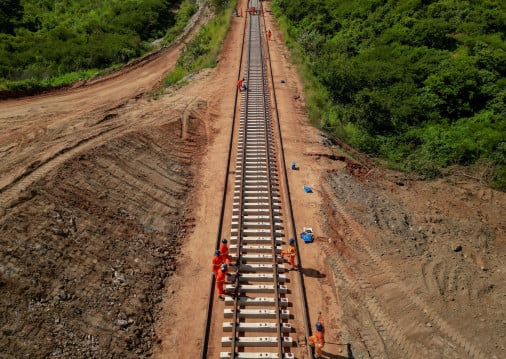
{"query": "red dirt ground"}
{"type": "Point", "coordinates": [109, 208]}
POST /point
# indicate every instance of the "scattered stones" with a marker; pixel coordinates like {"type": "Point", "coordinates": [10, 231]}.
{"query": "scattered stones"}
{"type": "Point", "coordinates": [61, 232]}
{"type": "Point", "coordinates": [119, 278]}
{"type": "Point", "coordinates": [57, 352]}
{"type": "Point", "coordinates": [122, 323]}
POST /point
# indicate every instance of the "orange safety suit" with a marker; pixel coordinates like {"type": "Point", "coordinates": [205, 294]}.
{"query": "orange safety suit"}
{"type": "Point", "coordinates": [290, 252]}
{"type": "Point", "coordinates": [269, 34]}
{"type": "Point", "coordinates": [220, 281]}
{"type": "Point", "coordinates": [225, 257]}
{"type": "Point", "coordinates": [318, 340]}
{"type": "Point", "coordinates": [239, 84]}
{"type": "Point", "coordinates": [217, 262]}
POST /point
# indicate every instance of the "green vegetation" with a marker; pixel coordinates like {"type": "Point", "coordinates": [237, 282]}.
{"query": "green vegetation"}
{"type": "Point", "coordinates": [418, 82]}
{"type": "Point", "coordinates": [47, 43]}
{"type": "Point", "coordinates": [203, 50]}
{"type": "Point", "coordinates": [187, 9]}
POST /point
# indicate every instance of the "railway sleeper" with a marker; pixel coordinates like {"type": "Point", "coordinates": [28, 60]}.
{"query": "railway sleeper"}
{"type": "Point", "coordinates": [246, 248]}
{"type": "Point", "coordinates": [256, 313]}
{"type": "Point", "coordinates": [258, 301]}
{"type": "Point", "coordinates": [245, 258]}
{"type": "Point", "coordinates": [227, 355]}
{"type": "Point", "coordinates": [258, 268]}
{"type": "Point", "coordinates": [257, 240]}
{"type": "Point", "coordinates": [257, 341]}
{"type": "Point", "coordinates": [257, 327]}
{"type": "Point", "coordinates": [258, 218]}
{"type": "Point", "coordinates": [259, 277]}
{"type": "Point", "coordinates": [255, 288]}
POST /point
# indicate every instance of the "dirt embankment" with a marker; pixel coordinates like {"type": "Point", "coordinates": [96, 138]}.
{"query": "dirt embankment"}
{"type": "Point", "coordinates": [418, 266]}
{"type": "Point", "coordinates": [85, 250]}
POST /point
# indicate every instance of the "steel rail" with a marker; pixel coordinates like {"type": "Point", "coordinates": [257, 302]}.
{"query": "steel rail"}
{"type": "Point", "coordinates": [209, 308]}
{"type": "Point", "coordinates": [256, 114]}
{"type": "Point", "coordinates": [302, 287]}
{"type": "Point", "coordinates": [256, 218]}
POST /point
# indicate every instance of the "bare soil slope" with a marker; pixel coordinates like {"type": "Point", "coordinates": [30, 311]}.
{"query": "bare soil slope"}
{"type": "Point", "coordinates": [109, 205]}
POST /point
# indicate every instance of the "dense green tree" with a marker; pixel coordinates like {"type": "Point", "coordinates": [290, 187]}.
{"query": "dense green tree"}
{"type": "Point", "coordinates": [42, 40]}
{"type": "Point", "coordinates": [421, 82]}
{"type": "Point", "coordinates": [10, 12]}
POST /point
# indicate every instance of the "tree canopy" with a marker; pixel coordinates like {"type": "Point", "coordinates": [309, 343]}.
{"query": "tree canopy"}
{"type": "Point", "coordinates": [419, 82]}
{"type": "Point", "coordinates": [42, 40]}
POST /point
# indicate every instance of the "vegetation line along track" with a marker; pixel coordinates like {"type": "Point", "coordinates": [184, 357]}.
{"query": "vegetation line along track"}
{"type": "Point", "coordinates": [255, 319]}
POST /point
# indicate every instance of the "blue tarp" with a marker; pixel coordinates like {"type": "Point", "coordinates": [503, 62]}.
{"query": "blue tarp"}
{"type": "Point", "coordinates": [306, 237]}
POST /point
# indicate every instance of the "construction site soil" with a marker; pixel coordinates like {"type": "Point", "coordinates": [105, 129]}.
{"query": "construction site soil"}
{"type": "Point", "coordinates": [109, 205]}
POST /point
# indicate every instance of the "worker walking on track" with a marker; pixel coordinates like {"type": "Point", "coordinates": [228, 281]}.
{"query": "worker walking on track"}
{"type": "Point", "coordinates": [269, 34]}
{"type": "Point", "coordinates": [317, 340]}
{"type": "Point", "coordinates": [291, 252]}
{"type": "Point", "coordinates": [225, 256]}
{"type": "Point", "coordinates": [220, 280]}
{"type": "Point", "coordinates": [217, 262]}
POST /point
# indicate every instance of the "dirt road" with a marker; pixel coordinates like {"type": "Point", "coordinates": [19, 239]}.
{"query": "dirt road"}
{"type": "Point", "coordinates": [110, 201]}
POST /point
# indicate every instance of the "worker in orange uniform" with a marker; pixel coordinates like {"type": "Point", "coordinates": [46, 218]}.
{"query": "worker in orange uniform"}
{"type": "Point", "coordinates": [220, 280]}
{"type": "Point", "coordinates": [269, 34]}
{"type": "Point", "coordinates": [291, 251]}
{"type": "Point", "coordinates": [241, 12]}
{"type": "Point", "coordinates": [225, 256]}
{"type": "Point", "coordinates": [241, 85]}
{"type": "Point", "coordinates": [217, 262]}
{"type": "Point", "coordinates": [318, 340]}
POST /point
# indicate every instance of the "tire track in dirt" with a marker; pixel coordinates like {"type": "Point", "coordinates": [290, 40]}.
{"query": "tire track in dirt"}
{"type": "Point", "coordinates": [12, 192]}
{"type": "Point", "coordinates": [383, 330]}
{"type": "Point", "coordinates": [39, 169]}
{"type": "Point", "coordinates": [363, 288]}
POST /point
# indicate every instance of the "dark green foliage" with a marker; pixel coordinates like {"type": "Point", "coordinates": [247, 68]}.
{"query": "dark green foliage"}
{"type": "Point", "coordinates": [184, 14]}
{"type": "Point", "coordinates": [202, 51]}
{"type": "Point", "coordinates": [10, 12]}
{"type": "Point", "coordinates": [421, 83]}
{"type": "Point", "coordinates": [43, 40]}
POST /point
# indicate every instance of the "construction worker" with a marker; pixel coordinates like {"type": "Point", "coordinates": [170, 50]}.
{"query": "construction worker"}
{"type": "Point", "coordinates": [291, 251]}
{"type": "Point", "coordinates": [220, 280]}
{"type": "Point", "coordinates": [317, 340]}
{"type": "Point", "coordinates": [269, 34]}
{"type": "Point", "coordinates": [239, 84]}
{"type": "Point", "coordinates": [217, 262]}
{"type": "Point", "coordinates": [225, 256]}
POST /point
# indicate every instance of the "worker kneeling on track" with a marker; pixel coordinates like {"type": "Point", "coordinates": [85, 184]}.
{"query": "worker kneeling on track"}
{"type": "Point", "coordinates": [317, 340]}
{"type": "Point", "coordinates": [291, 252]}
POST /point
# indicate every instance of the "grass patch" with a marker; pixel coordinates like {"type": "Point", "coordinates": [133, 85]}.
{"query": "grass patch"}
{"type": "Point", "coordinates": [202, 52]}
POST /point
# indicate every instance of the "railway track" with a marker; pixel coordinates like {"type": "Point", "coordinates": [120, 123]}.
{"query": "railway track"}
{"type": "Point", "coordinates": [255, 320]}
